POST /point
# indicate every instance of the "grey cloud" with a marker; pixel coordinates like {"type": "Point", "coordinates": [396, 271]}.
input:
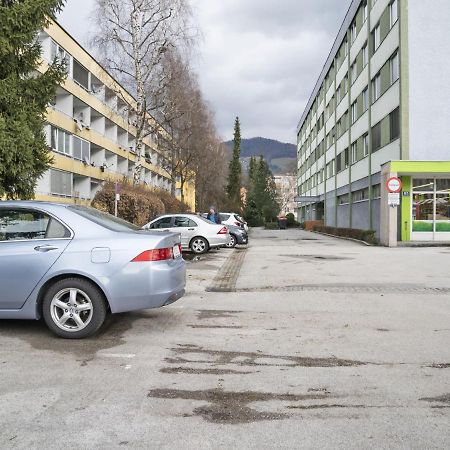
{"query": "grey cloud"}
{"type": "Point", "coordinates": [259, 59]}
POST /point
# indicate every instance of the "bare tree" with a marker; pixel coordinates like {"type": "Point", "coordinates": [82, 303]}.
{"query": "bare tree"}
{"type": "Point", "coordinates": [132, 37]}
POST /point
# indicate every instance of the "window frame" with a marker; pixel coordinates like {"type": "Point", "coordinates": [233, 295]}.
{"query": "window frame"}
{"type": "Point", "coordinates": [37, 210]}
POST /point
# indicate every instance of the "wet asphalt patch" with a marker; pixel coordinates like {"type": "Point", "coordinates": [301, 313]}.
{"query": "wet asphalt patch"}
{"type": "Point", "coordinates": [212, 327]}
{"type": "Point", "coordinates": [211, 371]}
{"type": "Point", "coordinates": [252, 359]}
{"type": "Point", "coordinates": [440, 399]}
{"type": "Point", "coordinates": [228, 407]}
{"type": "Point", "coordinates": [318, 257]}
{"type": "Point", "coordinates": [204, 314]}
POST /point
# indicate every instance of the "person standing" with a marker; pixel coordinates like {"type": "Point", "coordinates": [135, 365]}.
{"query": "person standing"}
{"type": "Point", "coordinates": [213, 216]}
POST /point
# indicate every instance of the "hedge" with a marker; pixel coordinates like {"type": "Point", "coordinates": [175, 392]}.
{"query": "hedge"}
{"type": "Point", "coordinates": [353, 233]}
{"type": "Point", "coordinates": [137, 204]}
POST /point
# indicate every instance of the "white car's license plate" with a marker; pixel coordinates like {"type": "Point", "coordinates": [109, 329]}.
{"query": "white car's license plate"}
{"type": "Point", "coordinates": [176, 251]}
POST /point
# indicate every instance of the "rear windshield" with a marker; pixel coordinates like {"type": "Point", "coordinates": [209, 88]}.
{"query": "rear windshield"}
{"type": "Point", "coordinates": [103, 219]}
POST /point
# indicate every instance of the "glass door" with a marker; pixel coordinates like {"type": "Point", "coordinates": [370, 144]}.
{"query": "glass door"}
{"type": "Point", "coordinates": [430, 210]}
{"type": "Point", "coordinates": [422, 228]}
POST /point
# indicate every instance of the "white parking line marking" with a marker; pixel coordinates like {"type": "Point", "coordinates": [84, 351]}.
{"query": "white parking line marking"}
{"type": "Point", "coordinates": [128, 366]}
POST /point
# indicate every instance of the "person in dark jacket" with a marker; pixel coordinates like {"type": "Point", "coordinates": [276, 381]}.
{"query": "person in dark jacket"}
{"type": "Point", "coordinates": [214, 216]}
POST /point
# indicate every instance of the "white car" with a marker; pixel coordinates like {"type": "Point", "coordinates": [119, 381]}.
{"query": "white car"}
{"type": "Point", "coordinates": [197, 234]}
{"type": "Point", "coordinates": [233, 219]}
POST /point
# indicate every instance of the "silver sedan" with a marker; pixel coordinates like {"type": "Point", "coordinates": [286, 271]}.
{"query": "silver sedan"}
{"type": "Point", "coordinates": [197, 234]}
{"type": "Point", "coordinates": [72, 264]}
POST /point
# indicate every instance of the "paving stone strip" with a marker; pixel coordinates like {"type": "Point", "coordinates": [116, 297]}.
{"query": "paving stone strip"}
{"type": "Point", "coordinates": [226, 278]}
{"type": "Point", "coordinates": [342, 288]}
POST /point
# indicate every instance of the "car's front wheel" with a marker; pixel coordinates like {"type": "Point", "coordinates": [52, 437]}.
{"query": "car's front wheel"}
{"type": "Point", "coordinates": [199, 245]}
{"type": "Point", "coordinates": [233, 241]}
{"type": "Point", "coordinates": [74, 308]}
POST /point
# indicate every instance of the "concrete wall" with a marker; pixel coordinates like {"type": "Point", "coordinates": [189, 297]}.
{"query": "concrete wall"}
{"type": "Point", "coordinates": [429, 87]}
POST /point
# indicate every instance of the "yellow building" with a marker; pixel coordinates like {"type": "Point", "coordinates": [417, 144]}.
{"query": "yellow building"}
{"type": "Point", "coordinates": [91, 129]}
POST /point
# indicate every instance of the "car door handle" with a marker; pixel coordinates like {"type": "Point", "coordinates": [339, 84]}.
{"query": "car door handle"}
{"type": "Point", "coordinates": [191, 229]}
{"type": "Point", "coordinates": [45, 248]}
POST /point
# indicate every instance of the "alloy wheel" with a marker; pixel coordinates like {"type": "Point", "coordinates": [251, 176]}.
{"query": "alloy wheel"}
{"type": "Point", "coordinates": [71, 309]}
{"type": "Point", "coordinates": [198, 245]}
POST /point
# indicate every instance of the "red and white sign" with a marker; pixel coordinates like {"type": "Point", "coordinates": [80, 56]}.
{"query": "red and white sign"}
{"type": "Point", "coordinates": [394, 185]}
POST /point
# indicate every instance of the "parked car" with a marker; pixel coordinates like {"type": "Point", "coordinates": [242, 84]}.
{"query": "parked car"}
{"type": "Point", "coordinates": [233, 219]}
{"type": "Point", "coordinates": [238, 236]}
{"type": "Point", "coordinates": [72, 265]}
{"type": "Point", "coordinates": [197, 234]}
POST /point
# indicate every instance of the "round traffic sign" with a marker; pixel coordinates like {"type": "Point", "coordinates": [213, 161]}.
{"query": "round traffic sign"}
{"type": "Point", "coordinates": [394, 185]}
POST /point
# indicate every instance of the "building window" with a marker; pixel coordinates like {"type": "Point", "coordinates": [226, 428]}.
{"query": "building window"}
{"type": "Point", "coordinates": [394, 124]}
{"type": "Point", "coordinates": [376, 88]}
{"type": "Point", "coordinates": [60, 183]}
{"type": "Point", "coordinates": [365, 11]}
{"type": "Point", "coordinates": [376, 137]}
{"type": "Point", "coordinates": [353, 31]}
{"type": "Point", "coordinates": [365, 99]}
{"type": "Point", "coordinates": [80, 75]}
{"type": "Point", "coordinates": [343, 199]}
{"type": "Point", "coordinates": [365, 55]}
{"type": "Point", "coordinates": [354, 72]}
{"type": "Point", "coordinates": [60, 140]}
{"type": "Point", "coordinates": [361, 195]}
{"type": "Point", "coordinates": [365, 141]}
{"type": "Point", "coordinates": [376, 37]}
{"type": "Point", "coordinates": [376, 191]}
{"type": "Point", "coordinates": [354, 152]}
{"type": "Point", "coordinates": [394, 66]}
{"type": "Point", "coordinates": [354, 111]}
{"type": "Point", "coordinates": [393, 12]}
{"type": "Point", "coordinates": [57, 52]}
{"type": "Point", "coordinates": [81, 149]}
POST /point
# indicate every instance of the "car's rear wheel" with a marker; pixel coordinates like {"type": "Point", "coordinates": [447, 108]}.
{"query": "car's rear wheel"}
{"type": "Point", "coordinates": [74, 308]}
{"type": "Point", "coordinates": [199, 245]}
{"type": "Point", "coordinates": [233, 241]}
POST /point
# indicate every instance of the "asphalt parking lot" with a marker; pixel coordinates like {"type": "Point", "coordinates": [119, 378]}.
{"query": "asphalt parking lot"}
{"type": "Point", "coordinates": [299, 341]}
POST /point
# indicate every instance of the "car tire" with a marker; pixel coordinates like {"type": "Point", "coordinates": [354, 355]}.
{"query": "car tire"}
{"type": "Point", "coordinates": [74, 308]}
{"type": "Point", "coordinates": [199, 245]}
{"type": "Point", "coordinates": [233, 241]}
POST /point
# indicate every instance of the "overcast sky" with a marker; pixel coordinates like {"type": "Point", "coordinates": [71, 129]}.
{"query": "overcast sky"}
{"type": "Point", "coordinates": [258, 59]}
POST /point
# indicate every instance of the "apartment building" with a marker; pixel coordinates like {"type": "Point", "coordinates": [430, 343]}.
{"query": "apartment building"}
{"type": "Point", "coordinates": [91, 129]}
{"type": "Point", "coordinates": [378, 111]}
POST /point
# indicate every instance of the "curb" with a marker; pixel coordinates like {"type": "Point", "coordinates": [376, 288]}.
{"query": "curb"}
{"type": "Point", "coordinates": [345, 238]}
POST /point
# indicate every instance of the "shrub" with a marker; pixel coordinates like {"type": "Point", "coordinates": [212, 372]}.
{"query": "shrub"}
{"type": "Point", "coordinates": [271, 226]}
{"type": "Point", "coordinates": [353, 233]}
{"type": "Point", "coordinates": [137, 204]}
{"type": "Point", "coordinates": [290, 219]}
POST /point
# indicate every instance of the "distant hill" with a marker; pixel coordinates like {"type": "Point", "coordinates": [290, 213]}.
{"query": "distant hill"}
{"type": "Point", "coordinates": [280, 156]}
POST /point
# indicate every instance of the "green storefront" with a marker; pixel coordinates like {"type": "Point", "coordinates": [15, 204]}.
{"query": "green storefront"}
{"type": "Point", "coordinates": [424, 211]}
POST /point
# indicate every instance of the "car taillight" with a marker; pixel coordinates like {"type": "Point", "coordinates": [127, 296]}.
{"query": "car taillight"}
{"type": "Point", "coordinates": [224, 230]}
{"type": "Point", "coordinates": [158, 254]}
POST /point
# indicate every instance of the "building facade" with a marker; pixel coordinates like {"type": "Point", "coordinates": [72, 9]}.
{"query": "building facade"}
{"type": "Point", "coordinates": [378, 111]}
{"type": "Point", "coordinates": [91, 129]}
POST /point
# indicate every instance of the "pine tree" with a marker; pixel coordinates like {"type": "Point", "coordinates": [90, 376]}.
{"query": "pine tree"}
{"type": "Point", "coordinates": [262, 205]}
{"type": "Point", "coordinates": [24, 94]}
{"type": "Point", "coordinates": [235, 171]}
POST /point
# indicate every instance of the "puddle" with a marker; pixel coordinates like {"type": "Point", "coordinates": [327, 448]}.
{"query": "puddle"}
{"type": "Point", "coordinates": [228, 407]}
{"type": "Point", "coordinates": [251, 359]}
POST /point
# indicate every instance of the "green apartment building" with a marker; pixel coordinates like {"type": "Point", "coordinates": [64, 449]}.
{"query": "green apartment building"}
{"type": "Point", "coordinates": [381, 109]}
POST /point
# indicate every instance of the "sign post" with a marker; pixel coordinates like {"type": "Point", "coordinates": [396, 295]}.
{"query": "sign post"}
{"type": "Point", "coordinates": [117, 198]}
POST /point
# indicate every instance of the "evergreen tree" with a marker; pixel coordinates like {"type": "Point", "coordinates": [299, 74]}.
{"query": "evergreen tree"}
{"type": "Point", "coordinates": [262, 205]}
{"type": "Point", "coordinates": [235, 171]}
{"type": "Point", "coordinates": [24, 94]}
